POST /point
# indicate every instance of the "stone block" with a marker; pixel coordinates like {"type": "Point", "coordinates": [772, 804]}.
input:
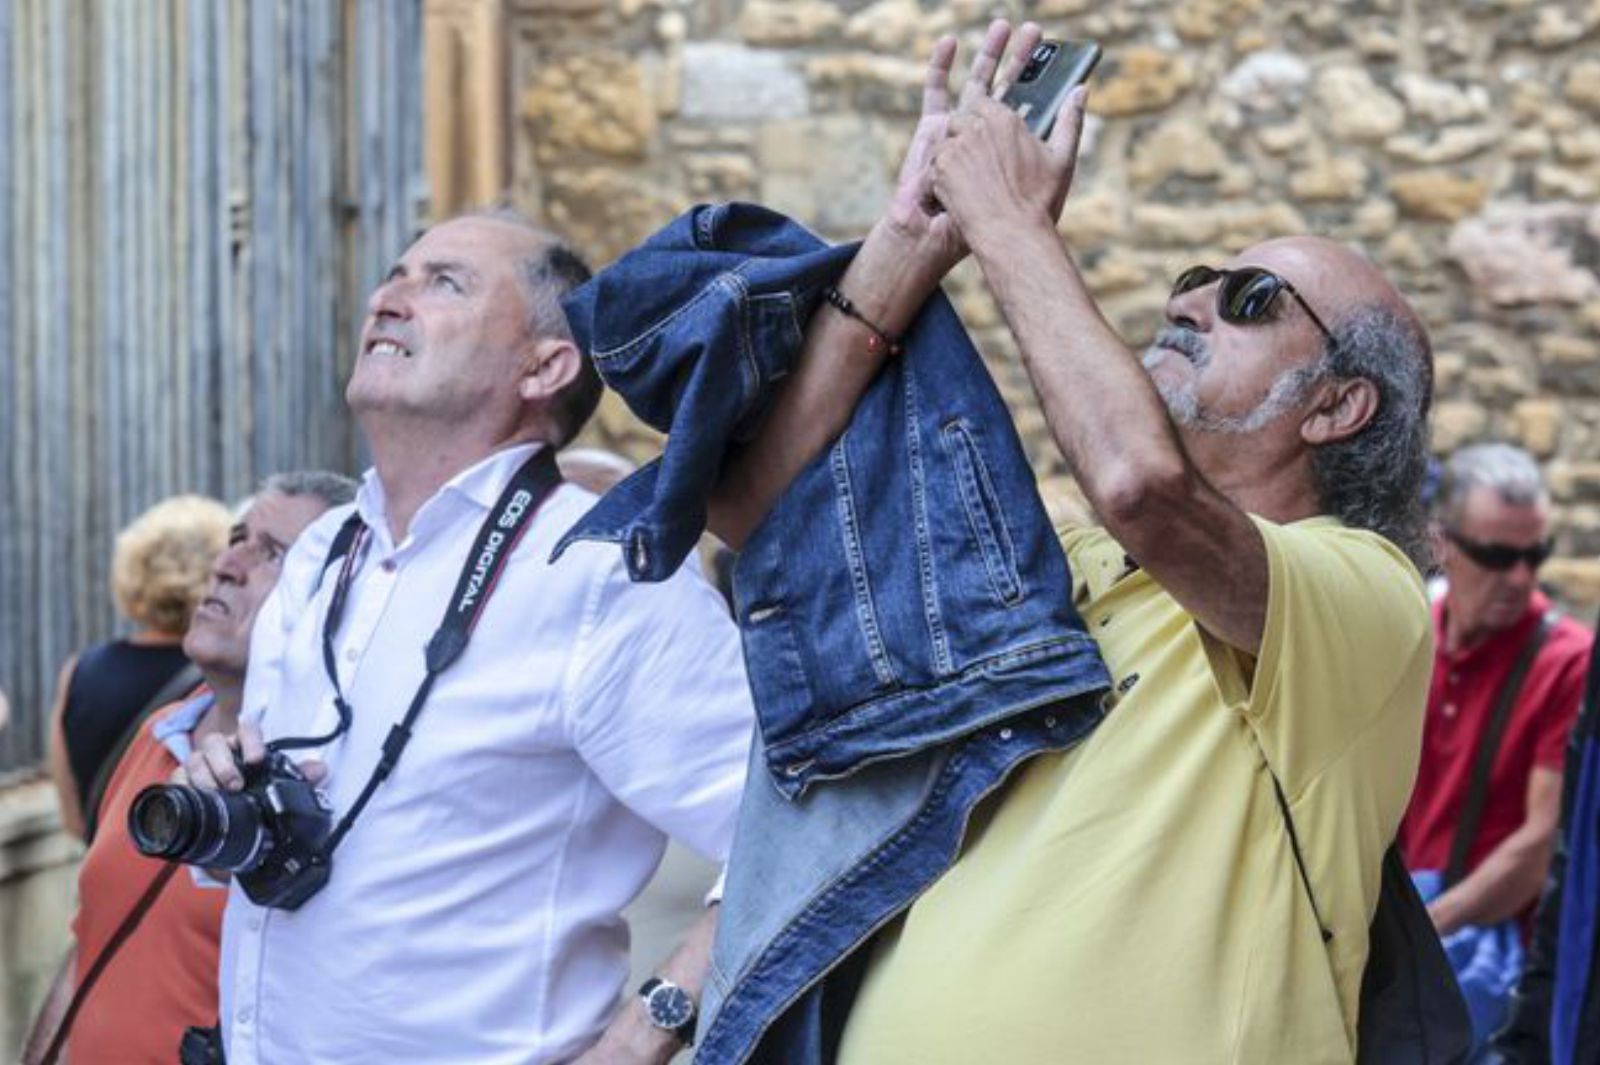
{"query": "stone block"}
{"type": "Point", "coordinates": [897, 27]}
{"type": "Point", "coordinates": [1284, 137]}
{"type": "Point", "coordinates": [1574, 482]}
{"type": "Point", "coordinates": [1116, 271]}
{"type": "Point", "coordinates": [862, 83]}
{"type": "Point", "coordinates": [590, 103]}
{"type": "Point", "coordinates": [1555, 26]}
{"type": "Point", "coordinates": [38, 881]}
{"type": "Point", "coordinates": [1373, 219]}
{"type": "Point", "coordinates": [1576, 580]}
{"type": "Point", "coordinates": [828, 171]}
{"type": "Point", "coordinates": [1043, 9]}
{"type": "Point", "coordinates": [1456, 423]}
{"type": "Point", "coordinates": [784, 23]}
{"type": "Point", "coordinates": [1437, 195]}
{"type": "Point", "coordinates": [1565, 183]}
{"type": "Point", "coordinates": [728, 82]}
{"type": "Point", "coordinates": [720, 176]}
{"type": "Point", "coordinates": [1536, 423]}
{"type": "Point", "coordinates": [1140, 80]}
{"type": "Point", "coordinates": [1338, 178]}
{"type": "Point", "coordinates": [606, 211]}
{"type": "Point", "coordinates": [1528, 253]}
{"type": "Point", "coordinates": [1438, 102]}
{"type": "Point", "coordinates": [1205, 20]}
{"type": "Point", "coordinates": [1448, 145]}
{"type": "Point", "coordinates": [1355, 107]}
{"type": "Point", "coordinates": [1180, 148]}
{"type": "Point", "coordinates": [1579, 145]}
{"type": "Point", "coordinates": [1582, 85]}
{"type": "Point", "coordinates": [1497, 387]}
{"type": "Point", "coordinates": [1092, 218]}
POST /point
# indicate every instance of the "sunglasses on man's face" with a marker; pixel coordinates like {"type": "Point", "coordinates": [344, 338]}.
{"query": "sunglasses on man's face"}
{"type": "Point", "coordinates": [1245, 296]}
{"type": "Point", "coordinates": [1501, 557]}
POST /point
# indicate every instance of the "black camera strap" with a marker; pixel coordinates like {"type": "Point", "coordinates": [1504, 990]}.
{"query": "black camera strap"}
{"type": "Point", "coordinates": [497, 538]}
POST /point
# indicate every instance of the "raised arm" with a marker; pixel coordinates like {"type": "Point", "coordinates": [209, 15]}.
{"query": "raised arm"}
{"type": "Point", "coordinates": [899, 266]}
{"type": "Point", "coordinates": [60, 763]}
{"type": "Point", "coordinates": [1005, 188]}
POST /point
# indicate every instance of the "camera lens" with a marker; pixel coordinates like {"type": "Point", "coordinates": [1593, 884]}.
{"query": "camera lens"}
{"type": "Point", "coordinates": [215, 829]}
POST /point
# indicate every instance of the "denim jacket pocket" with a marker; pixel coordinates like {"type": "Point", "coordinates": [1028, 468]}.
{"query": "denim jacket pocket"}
{"type": "Point", "coordinates": [985, 518]}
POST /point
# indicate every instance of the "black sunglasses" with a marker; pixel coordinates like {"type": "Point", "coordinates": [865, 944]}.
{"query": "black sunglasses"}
{"type": "Point", "coordinates": [1246, 295]}
{"type": "Point", "coordinates": [1501, 557]}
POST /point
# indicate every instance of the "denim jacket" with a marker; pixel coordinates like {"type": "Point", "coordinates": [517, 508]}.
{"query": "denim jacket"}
{"type": "Point", "coordinates": [905, 607]}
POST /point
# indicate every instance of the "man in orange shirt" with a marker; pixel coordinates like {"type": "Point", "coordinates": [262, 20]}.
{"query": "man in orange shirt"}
{"type": "Point", "coordinates": [163, 977]}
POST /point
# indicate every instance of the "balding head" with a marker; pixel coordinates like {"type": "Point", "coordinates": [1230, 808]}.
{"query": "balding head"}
{"type": "Point", "coordinates": [1372, 479]}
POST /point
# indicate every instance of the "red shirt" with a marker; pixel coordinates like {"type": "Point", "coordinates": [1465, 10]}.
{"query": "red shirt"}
{"type": "Point", "coordinates": [1466, 684]}
{"type": "Point", "coordinates": [164, 978]}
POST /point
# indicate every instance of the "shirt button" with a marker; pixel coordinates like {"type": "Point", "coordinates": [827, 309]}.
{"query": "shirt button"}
{"type": "Point", "coordinates": [389, 565]}
{"type": "Point", "coordinates": [1050, 722]}
{"type": "Point", "coordinates": [255, 924]}
{"type": "Point", "coordinates": [1449, 709]}
{"type": "Point", "coordinates": [245, 1016]}
{"type": "Point", "coordinates": [351, 654]}
{"type": "Point", "coordinates": [1005, 734]}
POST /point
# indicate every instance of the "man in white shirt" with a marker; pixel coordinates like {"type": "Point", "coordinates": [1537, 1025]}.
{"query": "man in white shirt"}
{"type": "Point", "coordinates": [473, 909]}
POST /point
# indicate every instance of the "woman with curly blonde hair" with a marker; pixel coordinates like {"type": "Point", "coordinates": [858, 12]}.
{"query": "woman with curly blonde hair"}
{"type": "Point", "coordinates": [160, 567]}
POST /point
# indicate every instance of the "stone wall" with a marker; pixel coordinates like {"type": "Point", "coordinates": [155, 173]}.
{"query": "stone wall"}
{"type": "Point", "coordinates": [1456, 141]}
{"type": "Point", "coordinates": [38, 885]}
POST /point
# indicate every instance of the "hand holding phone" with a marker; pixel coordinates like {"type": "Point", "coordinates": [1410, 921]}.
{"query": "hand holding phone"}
{"type": "Point", "coordinates": [1053, 70]}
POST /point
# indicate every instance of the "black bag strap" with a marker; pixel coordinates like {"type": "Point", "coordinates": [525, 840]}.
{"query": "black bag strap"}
{"type": "Point", "coordinates": [1478, 788]}
{"type": "Point", "coordinates": [124, 931]}
{"type": "Point", "coordinates": [179, 684]}
{"type": "Point", "coordinates": [1299, 858]}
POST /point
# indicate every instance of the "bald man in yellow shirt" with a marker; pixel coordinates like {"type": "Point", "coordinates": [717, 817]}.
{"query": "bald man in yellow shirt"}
{"type": "Point", "coordinates": [1254, 591]}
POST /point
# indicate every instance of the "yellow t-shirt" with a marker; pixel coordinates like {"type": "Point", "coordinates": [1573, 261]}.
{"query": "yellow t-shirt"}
{"type": "Point", "coordinates": [1135, 899]}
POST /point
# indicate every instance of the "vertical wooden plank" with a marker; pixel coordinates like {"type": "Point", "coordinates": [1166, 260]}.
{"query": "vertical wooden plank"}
{"type": "Point", "coordinates": [11, 640]}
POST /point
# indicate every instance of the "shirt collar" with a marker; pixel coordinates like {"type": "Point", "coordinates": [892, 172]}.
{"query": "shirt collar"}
{"type": "Point", "coordinates": [481, 484]}
{"type": "Point", "coordinates": [1516, 633]}
{"type": "Point", "coordinates": [172, 731]}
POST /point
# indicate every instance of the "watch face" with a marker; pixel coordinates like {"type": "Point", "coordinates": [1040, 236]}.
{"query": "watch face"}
{"type": "Point", "coordinates": [670, 1006]}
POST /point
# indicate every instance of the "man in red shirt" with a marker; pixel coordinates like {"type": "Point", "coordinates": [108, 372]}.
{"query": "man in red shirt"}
{"type": "Point", "coordinates": [1494, 516]}
{"type": "Point", "coordinates": [163, 978]}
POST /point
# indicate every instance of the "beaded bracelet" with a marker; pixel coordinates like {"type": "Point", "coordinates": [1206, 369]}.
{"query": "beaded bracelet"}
{"type": "Point", "coordinates": [880, 343]}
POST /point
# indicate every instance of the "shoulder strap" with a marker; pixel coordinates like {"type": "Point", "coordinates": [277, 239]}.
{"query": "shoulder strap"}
{"type": "Point", "coordinates": [92, 976]}
{"type": "Point", "coordinates": [179, 684]}
{"type": "Point", "coordinates": [1299, 858]}
{"type": "Point", "coordinates": [1488, 747]}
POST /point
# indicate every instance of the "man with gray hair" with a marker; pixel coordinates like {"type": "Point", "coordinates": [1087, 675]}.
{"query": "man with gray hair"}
{"type": "Point", "coordinates": [1194, 881]}
{"type": "Point", "coordinates": [503, 781]}
{"type": "Point", "coordinates": [1508, 675]}
{"type": "Point", "coordinates": [137, 993]}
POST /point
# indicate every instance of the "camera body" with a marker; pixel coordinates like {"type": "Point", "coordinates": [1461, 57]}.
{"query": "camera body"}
{"type": "Point", "coordinates": [269, 834]}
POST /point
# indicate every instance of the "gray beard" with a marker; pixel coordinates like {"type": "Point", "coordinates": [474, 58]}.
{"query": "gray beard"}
{"type": "Point", "coordinates": [1288, 389]}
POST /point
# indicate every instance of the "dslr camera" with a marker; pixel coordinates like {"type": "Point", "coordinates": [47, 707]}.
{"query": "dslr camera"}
{"type": "Point", "coordinates": [267, 834]}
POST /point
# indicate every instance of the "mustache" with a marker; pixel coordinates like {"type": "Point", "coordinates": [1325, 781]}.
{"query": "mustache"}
{"type": "Point", "coordinates": [1187, 342]}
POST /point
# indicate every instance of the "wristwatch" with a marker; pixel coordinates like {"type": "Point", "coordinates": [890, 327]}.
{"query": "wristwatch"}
{"type": "Point", "coordinates": [669, 1008]}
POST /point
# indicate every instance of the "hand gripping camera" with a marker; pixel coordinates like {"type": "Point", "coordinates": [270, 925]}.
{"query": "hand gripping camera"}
{"type": "Point", "coordinates": [268, 835]}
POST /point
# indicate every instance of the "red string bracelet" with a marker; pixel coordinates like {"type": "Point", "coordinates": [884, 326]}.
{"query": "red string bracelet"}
{"type": "Point", "coordinates": [880, 343]}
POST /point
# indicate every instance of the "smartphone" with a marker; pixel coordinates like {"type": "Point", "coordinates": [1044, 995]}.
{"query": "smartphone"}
{"type": "Point", "coordinates": [1053, 70]}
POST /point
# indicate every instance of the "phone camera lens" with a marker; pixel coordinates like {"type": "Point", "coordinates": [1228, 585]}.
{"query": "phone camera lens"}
{"type": "Point", "coordinates": [1036, 61]}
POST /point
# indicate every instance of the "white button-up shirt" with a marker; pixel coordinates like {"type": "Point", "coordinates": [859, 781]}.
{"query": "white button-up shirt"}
{"type": "Point", "coordinates": [473, 910]}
